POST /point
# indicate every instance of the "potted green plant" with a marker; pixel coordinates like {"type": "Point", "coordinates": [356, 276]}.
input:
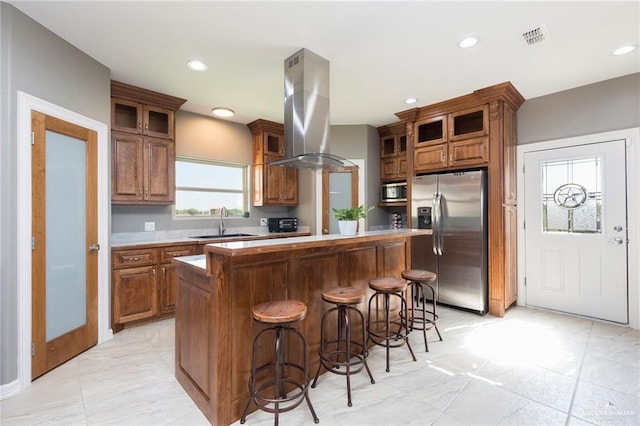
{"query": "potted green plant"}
{"type": "Point", "coordinates": [348, 218]}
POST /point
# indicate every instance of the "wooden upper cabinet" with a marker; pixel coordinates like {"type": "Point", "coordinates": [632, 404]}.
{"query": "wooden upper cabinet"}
{"type": "Point", "coordinates": [469, 123]}
{"type": "Point", "coordinates": [393, 152]}
{"type": "Point", "coordinates": [431, 131]}
{"type": "Point", "coordinates": [274, 144]}
{"type": "Point", "coordinates": [143, 169]}
{"type": "Point", "coordinates": [454, 140]}
{"type": "Point", "coordinates": [143, 146]}
{"type": "Point", "coordinates": [133, 117]}
{"type": "Point", "coordinates": [271, 185]}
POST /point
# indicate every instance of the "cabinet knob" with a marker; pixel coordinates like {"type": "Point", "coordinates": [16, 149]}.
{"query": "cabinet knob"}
{"type": "Point", "coordinates": [139, 191]}
{"type": "Point", "coordinates": [146, 126]}
{"type": "Point", "coordinates": [139, 125]}
{"type": "Point", "coordinates": [146, 193]}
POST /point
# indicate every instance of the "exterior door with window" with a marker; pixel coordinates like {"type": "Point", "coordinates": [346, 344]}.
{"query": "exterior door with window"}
{"type": "Point", "coordinates": [576, 230]}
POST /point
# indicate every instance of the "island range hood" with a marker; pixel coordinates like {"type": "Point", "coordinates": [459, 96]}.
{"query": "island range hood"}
{"type": "Point", "coordinates": [306, 113]}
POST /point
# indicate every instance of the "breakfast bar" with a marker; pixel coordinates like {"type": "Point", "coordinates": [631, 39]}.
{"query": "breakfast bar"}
{"type": "Point", "coordinates": [216, 291]}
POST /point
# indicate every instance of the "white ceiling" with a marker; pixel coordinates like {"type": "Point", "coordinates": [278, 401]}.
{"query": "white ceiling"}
{"type": "Point", "coordinates": [380, 52]}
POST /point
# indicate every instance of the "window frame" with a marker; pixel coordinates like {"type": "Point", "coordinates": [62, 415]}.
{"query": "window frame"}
{"type": "Point", "coordinates": [244, 191]}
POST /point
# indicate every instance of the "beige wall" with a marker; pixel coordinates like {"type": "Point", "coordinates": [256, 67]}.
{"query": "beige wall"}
{"type": "Point", "coordinates": [207, 137]}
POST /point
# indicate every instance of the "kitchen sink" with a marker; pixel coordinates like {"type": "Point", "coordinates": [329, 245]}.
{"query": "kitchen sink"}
{"type": "Point", "coordinates": [210, 237]}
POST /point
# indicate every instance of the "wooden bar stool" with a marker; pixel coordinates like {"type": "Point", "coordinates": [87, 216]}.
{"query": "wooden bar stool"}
{"type": "Point", "coordinates": [419, 317]}
{"type": "Point", "coordinates": [271, 394]}
{"type": "Point", "coordinates": [343, 351]}
{"type": "Point", "coordinates": [388, 332]}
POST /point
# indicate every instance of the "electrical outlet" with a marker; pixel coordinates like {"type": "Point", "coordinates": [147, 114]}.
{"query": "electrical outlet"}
{"type": "Point", "coordinates": [264, 221]}
{"type": "Point", "coordinates": [149, 226]}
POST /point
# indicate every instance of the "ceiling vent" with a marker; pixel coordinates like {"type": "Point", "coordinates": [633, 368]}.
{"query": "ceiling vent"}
{"type": "Point", "coordinates": [536, 35]}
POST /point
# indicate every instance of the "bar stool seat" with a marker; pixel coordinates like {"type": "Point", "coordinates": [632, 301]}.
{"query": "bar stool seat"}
{"type": "Point", "coordinates": [418, 316]}
{"type": "Point", "coordinates": [388, 332]}
{"type": "Point", "coordinates": [279, 311]}
{"type": "Point", "coordinates": [343, 350]}
{"type": "Point", "coordinates": [285, 390]}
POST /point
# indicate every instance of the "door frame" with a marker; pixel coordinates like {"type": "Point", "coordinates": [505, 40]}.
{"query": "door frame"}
{"type": "Point", "coordinates": [26, 103]}
{"type": "Point", "coordinates": [632, 138]}
{"type": "Point", "coordinates": [361, 193]}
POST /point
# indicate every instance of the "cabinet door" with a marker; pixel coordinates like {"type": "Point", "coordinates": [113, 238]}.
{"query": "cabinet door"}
{"type": "Point", "coordinates": [126, 168]}
{"type": "Point", "coordinates": [469, 152]}
{"type": "Point", "coordinates": [273, 177]}
{"type": "Point", "coordinates": [159, 178]}
{"type": "Point", "coordinates": [388, 147]}
{"type": "Point", "coordinates": [469, 123]}
{"type": "Point", "coordinates": [431, 131]}
{"type": "Point", "coordinates": [388, 168]}
{"type": "Point", "coordinates": [134, 294]}
{"type": "Point", "coordinates": [158, 122]}
{"type": "Point", "coordinates": [167, 288]}
{"type": "Point", "coordinates": [126, 116]}
{"type": "Point", "coordinates": [273, 144]}
{"type": "Point", "coordinates": [430, 157]}
{"type": "Point", "coordinates": [290, 186]}
{"type": "Point", "coordinates": [402, 145]}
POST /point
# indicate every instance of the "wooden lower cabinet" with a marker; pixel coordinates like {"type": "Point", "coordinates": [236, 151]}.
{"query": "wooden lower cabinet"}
{"type": "Point", "coordinates": [143, 283]}
{"type": "Point", "coordinates": [167, 289]}
{"type": "Point", "coordinates": [134, 294]}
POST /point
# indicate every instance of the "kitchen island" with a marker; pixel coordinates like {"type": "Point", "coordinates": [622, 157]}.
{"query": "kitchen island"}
{"type": "Point", "coordinates": [216, 291]}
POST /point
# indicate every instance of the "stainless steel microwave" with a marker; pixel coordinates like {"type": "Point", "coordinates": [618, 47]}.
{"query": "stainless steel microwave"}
{"type": "Point", "coordinates": [393, 192]}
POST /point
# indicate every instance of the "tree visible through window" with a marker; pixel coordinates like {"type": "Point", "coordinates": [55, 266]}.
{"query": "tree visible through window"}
{"type": "Point", "coordinates": [204, 187]}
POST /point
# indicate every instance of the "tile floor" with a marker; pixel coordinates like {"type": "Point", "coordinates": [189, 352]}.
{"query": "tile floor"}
{"type": "Point", "coordinates": [530, 368]}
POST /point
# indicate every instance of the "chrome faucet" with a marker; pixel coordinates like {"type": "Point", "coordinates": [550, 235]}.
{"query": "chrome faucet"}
{"type": "Point", "coordinates": [221, 227]}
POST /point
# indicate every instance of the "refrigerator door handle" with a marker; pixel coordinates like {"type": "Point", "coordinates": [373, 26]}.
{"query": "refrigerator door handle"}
{"type": "Point", "coordinates": [437, 217]}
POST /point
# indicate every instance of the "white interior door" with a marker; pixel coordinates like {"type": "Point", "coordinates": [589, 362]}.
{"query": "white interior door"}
{"type": "Point", "coordinates": [576, 230]}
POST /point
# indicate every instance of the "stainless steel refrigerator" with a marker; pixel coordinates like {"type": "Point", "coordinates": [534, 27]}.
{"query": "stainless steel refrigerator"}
{"type": "Point", "coordinates": [453, 205]}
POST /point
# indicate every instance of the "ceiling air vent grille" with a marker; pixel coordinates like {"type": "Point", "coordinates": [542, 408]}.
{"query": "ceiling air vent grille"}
{"type": "Point", "coordinates": [536, 35]}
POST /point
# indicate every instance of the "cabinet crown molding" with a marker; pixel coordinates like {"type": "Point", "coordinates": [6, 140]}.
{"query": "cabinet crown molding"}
{"type": "Point", "coordinates": [261, 125]}
{"type": "Point", "coordinates": [499, 92]}
{"type": "Point", "coordinates": [138, 94]}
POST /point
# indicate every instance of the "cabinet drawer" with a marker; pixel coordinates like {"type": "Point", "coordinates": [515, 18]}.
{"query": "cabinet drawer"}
{"type": "Point", "coordinates": [168, 253]}
{"type": "Point", "coordinates": [134, 258]}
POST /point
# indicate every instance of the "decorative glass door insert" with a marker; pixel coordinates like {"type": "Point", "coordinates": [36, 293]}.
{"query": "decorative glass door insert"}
{"type": "Point", "coordinates": [572, 196]}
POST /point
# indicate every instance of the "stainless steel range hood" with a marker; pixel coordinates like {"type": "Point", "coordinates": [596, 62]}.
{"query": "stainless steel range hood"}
{"type": "Point", "coordinates": [306, 113]}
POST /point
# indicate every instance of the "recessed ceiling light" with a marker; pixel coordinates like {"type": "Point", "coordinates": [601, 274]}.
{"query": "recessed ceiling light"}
{"type": "Point", "coordinates": [410, 101]}
{"type": "Point", "coordinates": [468, 42]}
{"type": "Point", "coordinates": [624, 49]}
{"type": "Point", "coordinates": [197, 65]}
{"type": "Point", "coordinates": [222, 112]}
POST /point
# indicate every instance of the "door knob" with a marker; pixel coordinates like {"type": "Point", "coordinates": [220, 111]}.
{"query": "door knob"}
{"type": "Point", "coordinates": [94, 247]}
{"type": "Point", "coordinates": [617, 241]}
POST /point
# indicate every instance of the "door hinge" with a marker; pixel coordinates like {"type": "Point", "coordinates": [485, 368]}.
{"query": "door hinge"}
{"type": "Point", "coordinates": [33, 138]}
{"type": "Point", "coordinates": [33, 243]}
{"type": "Point", "coordinates": [525, 281]}
{"type": "Point", "coordinates": [33, 349]}
{"type": "Point", "coordinates": [523, 169]}
{"type": "Point", "coordinates": [524, 224]}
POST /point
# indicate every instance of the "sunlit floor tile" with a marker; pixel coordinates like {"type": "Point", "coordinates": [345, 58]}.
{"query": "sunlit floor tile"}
{"type": "Point", "coordinates": [520, 369]}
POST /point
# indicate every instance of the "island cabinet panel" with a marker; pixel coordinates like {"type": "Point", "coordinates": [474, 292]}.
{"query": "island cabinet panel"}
{"type": "Point", "coordinates": [195, 338]}
{"type": "Point", "coordinates": [214, 324]}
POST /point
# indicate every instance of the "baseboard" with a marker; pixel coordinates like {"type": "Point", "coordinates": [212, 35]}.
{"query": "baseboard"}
{"type": "Point", "coordinates": [9, 389]}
